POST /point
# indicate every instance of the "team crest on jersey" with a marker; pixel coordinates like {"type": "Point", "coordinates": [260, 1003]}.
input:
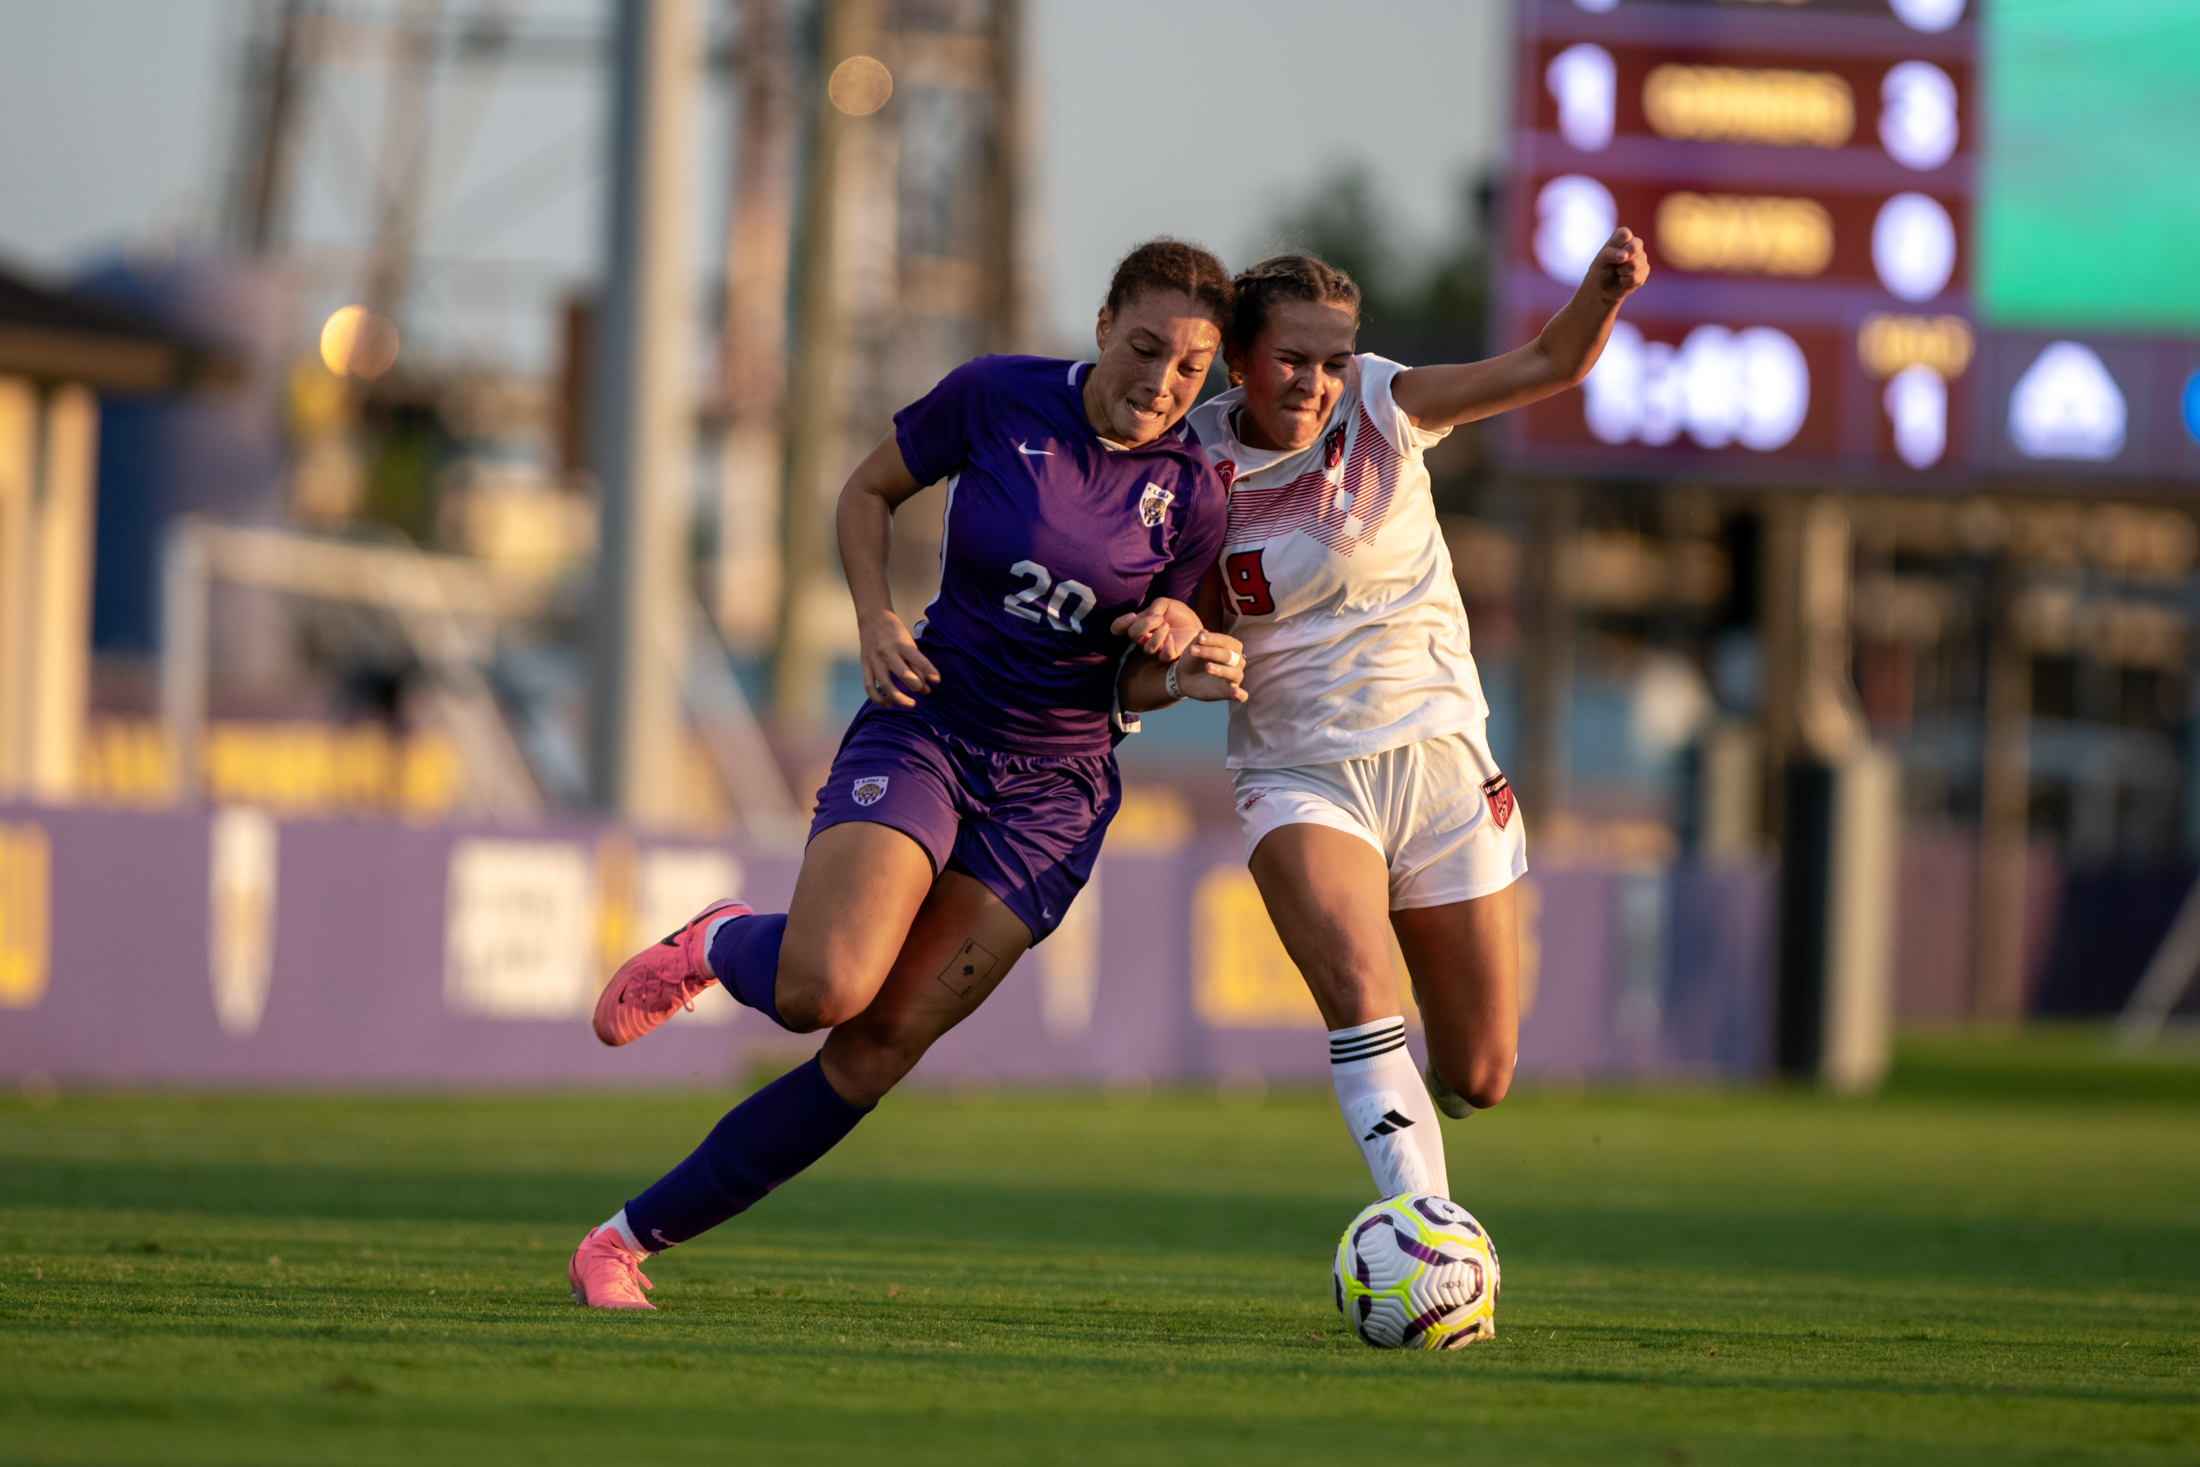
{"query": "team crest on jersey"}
{"type": "Point", "coordinates": [1500, 796]}
{"type": "Point", "coordinates": [1226, 471]}
{"type": "Point", "coordinates": [1154, 504]}
{"type": "Point", "coordinates": [871, 788]}
{"type": "Point", "coordinates": [1333, 448]}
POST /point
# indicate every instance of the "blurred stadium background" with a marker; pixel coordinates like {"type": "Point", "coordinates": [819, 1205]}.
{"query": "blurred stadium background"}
{"type": "Point", "coordinates": [419, 421]}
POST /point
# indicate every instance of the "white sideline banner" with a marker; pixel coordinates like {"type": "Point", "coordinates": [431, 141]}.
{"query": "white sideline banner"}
{"type": "Point", "coordinates": [516, 940]}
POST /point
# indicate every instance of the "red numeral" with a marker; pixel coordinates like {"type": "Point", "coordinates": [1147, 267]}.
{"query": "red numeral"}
{"type": "Point", "coordinates": [1248, 584]}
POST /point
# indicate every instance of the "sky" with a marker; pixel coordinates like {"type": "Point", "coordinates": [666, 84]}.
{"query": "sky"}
{"type": "Point", "coordinates": [1201, 118]}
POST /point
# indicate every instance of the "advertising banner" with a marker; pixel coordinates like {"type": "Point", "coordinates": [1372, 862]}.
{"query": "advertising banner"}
{"type": "Point", "coordinates": [226, 947]}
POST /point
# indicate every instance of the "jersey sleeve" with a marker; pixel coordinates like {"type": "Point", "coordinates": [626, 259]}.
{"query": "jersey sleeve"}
{"type": "Point", "coordinates": [935, 432]}
{"type": "Point", "coordinates": [1376, 375]}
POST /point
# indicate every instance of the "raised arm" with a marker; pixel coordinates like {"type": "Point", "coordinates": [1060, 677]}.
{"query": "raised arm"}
{"type": "Point", "coordinates": [1559, 357]}
{"type": "Point", "coordinates": [893, 668]}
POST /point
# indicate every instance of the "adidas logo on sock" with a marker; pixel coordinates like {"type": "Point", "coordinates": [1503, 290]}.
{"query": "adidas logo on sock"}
{"type": "Point", "coordinates": [1391, 1121]}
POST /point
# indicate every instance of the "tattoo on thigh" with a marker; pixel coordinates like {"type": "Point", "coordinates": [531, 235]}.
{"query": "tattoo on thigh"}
{"type": "Point", "coordinates": [969, 968]}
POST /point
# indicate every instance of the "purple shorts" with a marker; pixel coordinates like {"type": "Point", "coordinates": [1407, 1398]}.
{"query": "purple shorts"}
{"type": "Point", "coordinates": [1026, 825]}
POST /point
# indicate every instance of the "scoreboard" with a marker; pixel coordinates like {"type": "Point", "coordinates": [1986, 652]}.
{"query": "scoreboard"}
{"type": "Point", "coordinates": [1805, 174]}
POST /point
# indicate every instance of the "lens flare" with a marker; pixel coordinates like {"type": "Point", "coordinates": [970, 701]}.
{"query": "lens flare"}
{"type": "Point", "coordinates": [860, 85]}
{"type": "Point", "coordinates": [355, 342]}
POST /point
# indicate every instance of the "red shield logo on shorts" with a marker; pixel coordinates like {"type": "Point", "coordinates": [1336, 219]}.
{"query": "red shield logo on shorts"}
{"type": "Point", "coordinates": [1500, 796]}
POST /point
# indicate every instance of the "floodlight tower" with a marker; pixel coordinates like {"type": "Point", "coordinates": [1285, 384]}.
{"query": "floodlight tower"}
{"type": "Point", "coordinates": [911, 262]}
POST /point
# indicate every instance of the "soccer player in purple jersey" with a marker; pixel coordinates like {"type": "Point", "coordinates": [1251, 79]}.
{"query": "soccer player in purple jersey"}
{"type": "Point", "coordinates": [968, 800]}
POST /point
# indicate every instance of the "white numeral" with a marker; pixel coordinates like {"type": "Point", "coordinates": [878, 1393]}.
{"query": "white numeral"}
{"type": "Point", "coordinates": [1025, 603]}
{"type": "Point", "coordinates": [1022, 603]}
{"type": "Point", "coordinates": [1069, 621]}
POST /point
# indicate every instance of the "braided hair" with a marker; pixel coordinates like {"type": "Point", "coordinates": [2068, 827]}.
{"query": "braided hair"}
{"type": "Point", "coordinates": [1284, 278]}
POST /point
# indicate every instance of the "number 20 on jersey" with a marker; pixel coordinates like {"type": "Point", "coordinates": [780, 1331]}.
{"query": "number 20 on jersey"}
{"type": "Point", "coordinates": [1060, 612]}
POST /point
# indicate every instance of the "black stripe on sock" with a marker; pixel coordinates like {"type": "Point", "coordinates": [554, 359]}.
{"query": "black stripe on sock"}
{"type": "Point", "coordinates": [1390, 1027]}
{"type": "Point", "coordinates": [1380, 1045]}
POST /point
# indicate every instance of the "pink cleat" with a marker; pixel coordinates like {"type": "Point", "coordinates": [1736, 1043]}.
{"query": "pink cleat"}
{"type": "Point", "coordinates": [660, 978]}
{"type": "Point", "coordinates": [606, 1274]}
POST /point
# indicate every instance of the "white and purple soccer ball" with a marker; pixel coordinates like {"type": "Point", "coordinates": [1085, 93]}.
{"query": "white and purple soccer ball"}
{"type": "Point", "coordinates": [1417, 1271]}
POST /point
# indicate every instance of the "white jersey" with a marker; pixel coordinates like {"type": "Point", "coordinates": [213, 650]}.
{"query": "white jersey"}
{"type": "Point", "coordinates": [1338, 583]}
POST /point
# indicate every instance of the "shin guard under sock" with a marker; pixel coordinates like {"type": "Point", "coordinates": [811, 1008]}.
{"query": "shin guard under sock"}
{"type": "Point", "coordinates": [760, 1143]}
{"type": "Point", "coordinates": [744, 953]}
{"type": "Point", "coordinates": [1386, 1108]}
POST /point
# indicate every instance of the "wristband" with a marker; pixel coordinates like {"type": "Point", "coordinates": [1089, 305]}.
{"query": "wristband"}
{"type": "Point", "coordinates": [1169, 684]}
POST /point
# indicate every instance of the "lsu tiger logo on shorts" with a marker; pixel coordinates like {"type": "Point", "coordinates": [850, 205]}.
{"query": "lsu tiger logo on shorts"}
{"type": "Point", "coordinates": [1500, 796]}
{"type": "Point", "coordinates": [871, 788]}
{"type": "Point", "coordinates": [1154, 504]}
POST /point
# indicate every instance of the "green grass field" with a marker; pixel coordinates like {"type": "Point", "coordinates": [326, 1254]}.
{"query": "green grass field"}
{"type": "Point", "coordinates": [1998, 1261]}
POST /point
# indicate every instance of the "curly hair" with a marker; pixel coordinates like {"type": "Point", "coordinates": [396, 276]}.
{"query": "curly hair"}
{"type": "Point", "coordinates": [1173, 264]}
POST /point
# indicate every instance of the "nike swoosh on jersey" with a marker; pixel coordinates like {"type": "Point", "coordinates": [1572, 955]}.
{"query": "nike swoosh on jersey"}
{"type": "Point", "coordinates": [1035, 452]}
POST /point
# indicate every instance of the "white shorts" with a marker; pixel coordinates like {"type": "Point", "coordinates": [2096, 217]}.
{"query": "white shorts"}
{"type": "Point", "coordinates": [1439, 812]}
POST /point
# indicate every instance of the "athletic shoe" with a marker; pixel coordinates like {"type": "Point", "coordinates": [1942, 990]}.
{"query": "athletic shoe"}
{"type": "Point", "coordinates": [660, 978]}
{"type": "Point", "coordinates": [606, 1274]}
{"type": "Point", "coordinates": [1448, 1100]}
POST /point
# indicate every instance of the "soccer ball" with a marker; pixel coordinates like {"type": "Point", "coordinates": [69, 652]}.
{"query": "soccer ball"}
{"type": "Point", "coordinates": [1417, 1270]}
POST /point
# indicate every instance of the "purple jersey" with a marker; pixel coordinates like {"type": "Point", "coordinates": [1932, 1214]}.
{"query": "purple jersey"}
{"type": "Point", "coordinates": [1050, 536]}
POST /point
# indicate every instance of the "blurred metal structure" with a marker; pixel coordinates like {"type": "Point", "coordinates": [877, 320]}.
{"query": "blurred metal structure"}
{"type": "Point", "coordinates": [401, 170]}
{"type": "Point", "coordinates": [260, 179]}
{"type": "Point", "coordinates": [1547, 663]}
{"type": "Point", "coordinates": [753, 359]}
{"type": "Point", "coordinates": [2166, 981]}
{"type": "Point", "coordinates": [727, 725]}
{"type": "Point", "coordinates": [2005, 795]}
{"type": "Point", "coordinates": [446, 608]}
{"type": "Point", "coordinates": [642, 434]}
{"type": "Point", "coordinates": [449, 611]}
{"type": "Point", "coordinates": [1839, 807]}
{"type": "Point", "coordinates": [910, 265]}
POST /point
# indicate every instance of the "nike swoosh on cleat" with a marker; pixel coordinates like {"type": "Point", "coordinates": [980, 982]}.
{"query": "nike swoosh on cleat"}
{"type": "Point", "coordinates": [1034, 452]}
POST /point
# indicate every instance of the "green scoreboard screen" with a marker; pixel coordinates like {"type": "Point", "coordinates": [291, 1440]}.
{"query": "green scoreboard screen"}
{"type": "Point", "coordinates": [2088, 210]}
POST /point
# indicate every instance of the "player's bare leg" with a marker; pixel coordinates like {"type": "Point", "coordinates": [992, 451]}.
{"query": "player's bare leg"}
{"type": "Point", "coordinates": [1465, 962]}
{"type": "Point", "coordinates": [861, 888]}
{"type": "Point", "coordinates": [961, 945]}
{"type": "Point", "coordinates": [1328, 892]}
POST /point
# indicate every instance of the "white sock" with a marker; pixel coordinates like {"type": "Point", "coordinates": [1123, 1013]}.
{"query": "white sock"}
{"type": "Point", "coordinates": [618, 1225]}
{"type": "Point", "coordinates": [1388, 1111]}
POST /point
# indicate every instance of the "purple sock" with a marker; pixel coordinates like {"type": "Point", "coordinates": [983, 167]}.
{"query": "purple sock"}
{"type": "Point", "coordinates": [745, 955]}
{"type": "Point", "coordinates": [760, 1143]}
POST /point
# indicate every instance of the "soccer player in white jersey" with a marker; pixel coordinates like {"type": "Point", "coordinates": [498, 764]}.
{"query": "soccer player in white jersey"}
{"type": "Point", "coordinates": [1364, 777]}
